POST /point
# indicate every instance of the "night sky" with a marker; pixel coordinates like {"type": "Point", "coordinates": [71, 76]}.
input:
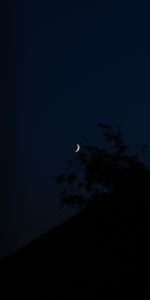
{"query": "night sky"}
{"type": "Point", "coordinates": [68, 66]}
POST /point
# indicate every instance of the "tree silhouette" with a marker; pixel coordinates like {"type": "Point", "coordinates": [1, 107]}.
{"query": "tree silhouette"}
{"type": "Point", "coordinates": [97, 171]}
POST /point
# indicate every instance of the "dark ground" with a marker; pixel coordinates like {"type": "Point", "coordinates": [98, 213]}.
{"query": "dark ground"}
{"type": "Point", "coordinates": [103, 249]}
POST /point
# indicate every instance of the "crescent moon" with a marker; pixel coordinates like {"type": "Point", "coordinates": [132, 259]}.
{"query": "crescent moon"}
{"type": "Point", "coordinates": [78, 148]}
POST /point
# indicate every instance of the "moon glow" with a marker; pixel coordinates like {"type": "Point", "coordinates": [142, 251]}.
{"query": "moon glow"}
{"type": "Point", "coordinates": [78, 148]}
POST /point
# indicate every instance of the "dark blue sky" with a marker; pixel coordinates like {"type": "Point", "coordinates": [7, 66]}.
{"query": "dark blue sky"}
{"type": "Point", "coordinates": [69, 66]}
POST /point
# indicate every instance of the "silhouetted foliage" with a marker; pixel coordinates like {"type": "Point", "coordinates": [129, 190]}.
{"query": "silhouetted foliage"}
{"type": "Point", "coordinates": [96, 171]}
